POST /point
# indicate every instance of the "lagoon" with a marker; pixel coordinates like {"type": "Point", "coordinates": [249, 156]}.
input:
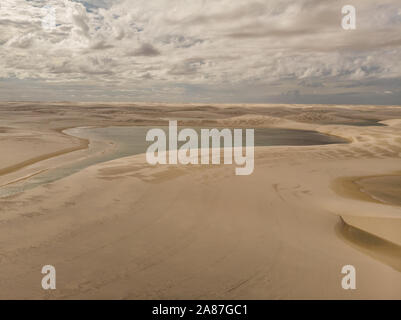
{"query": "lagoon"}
{"type": "Point", "coordinates": [127, 141]}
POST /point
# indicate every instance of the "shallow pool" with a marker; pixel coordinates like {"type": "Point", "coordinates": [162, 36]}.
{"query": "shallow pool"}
{"type": "Point", "coordinates": [129, 141]}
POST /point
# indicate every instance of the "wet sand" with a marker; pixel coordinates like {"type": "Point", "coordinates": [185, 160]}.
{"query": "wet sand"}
{"type": "Point", "coordinates": [29, 144]}
{"type": "Point", "coordinates": [386, 189]}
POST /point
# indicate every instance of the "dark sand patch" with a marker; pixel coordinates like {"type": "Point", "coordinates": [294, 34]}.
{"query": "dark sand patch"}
{"type": "Point", "coordinates": [384, 189]}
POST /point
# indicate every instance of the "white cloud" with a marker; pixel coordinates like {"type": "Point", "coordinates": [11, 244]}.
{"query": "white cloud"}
{"type": "Point", "coordinates": [280, 45]}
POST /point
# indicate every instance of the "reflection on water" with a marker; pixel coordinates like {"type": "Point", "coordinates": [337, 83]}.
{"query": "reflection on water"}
{"type": "Point", "coordinates": [131, 140]}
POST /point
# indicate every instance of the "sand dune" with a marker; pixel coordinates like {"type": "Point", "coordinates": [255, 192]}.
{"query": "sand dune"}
{"type": "Point", "coordinates": [124, 229]}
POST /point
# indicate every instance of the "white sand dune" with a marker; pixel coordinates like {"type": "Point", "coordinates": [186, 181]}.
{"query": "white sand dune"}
{"type": "Point", "coordinates": [124, 229]}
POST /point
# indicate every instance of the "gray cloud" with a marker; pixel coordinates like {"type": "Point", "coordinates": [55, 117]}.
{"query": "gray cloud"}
{"type": "Point", "coordinates": [101, 45]}
{"type": "Point", "coordinates": [187, 67]}
{"type": "Point", "coordinates": [146, 50]}
{"type": "Point", "coordinates": [217, 50]}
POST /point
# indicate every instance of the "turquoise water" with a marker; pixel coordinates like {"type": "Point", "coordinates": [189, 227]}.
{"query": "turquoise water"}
{"type": "Point", "coordinates": [129, 141]}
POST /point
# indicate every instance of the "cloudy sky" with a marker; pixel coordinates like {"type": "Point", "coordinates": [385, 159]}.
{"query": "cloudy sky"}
{"type": "Point", "coordinates": [257, 51]}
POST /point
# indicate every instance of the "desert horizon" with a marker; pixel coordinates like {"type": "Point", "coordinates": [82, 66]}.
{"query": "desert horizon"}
{"type": "Point", "coordinates": [85, 200]}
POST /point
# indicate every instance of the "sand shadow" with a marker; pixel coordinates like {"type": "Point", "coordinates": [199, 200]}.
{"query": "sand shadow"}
{"type": "Point", "coordinates": [377, 248]}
